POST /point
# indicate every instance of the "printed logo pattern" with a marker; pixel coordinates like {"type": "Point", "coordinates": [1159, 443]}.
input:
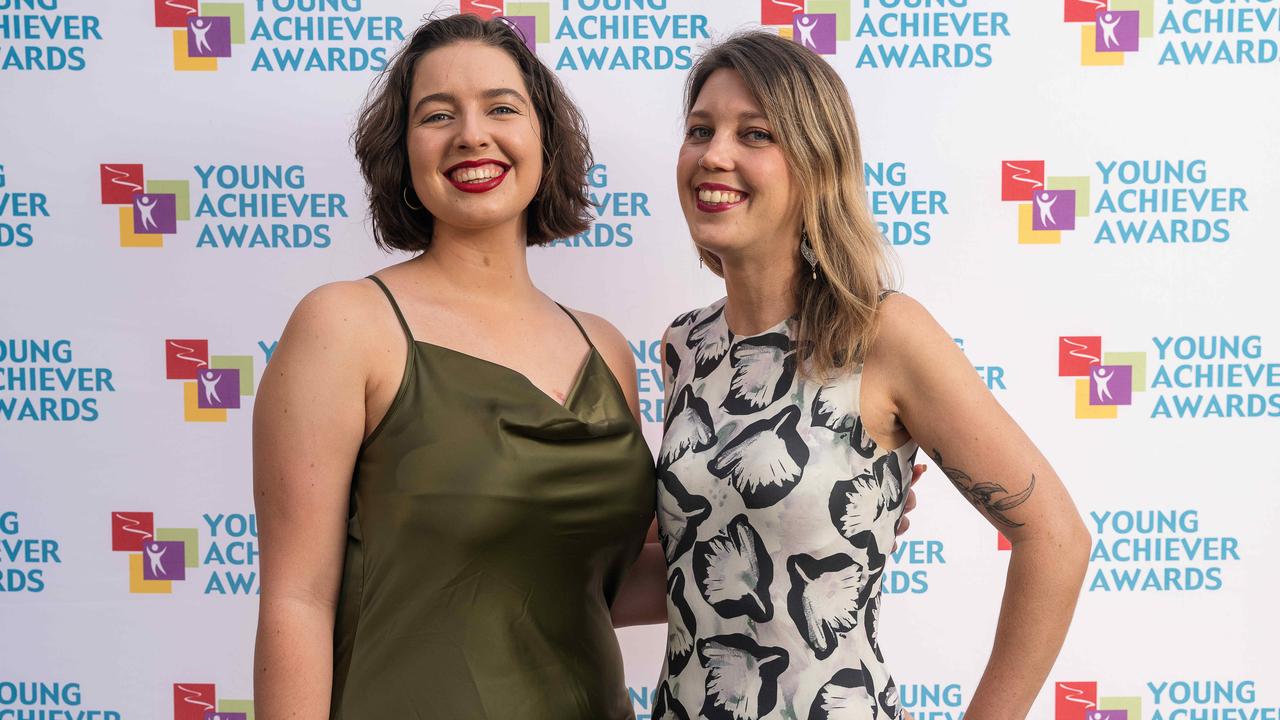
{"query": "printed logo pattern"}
{"type": "Point", "coordinates": [151, 209]}
{"type": "Point", "coordinates": [1080, 701]}
{"type": "Point", "coordinates": [212, 384]}
{"type": "Point", "coordinates": [199, 701]}
{"type": "Point", "coordinates": [1109, 29]}
{"type": "Point", "coordinates": [1046, 205]}
{"type": "Point", "coordinates": [815, 24]}
{"type": "Point", "coordinates": [203, 32]}
{"type": "Point", "coordinates": [1104, 381]}
{"type": "Point", "coordinates": [157, 556]}
{"type": "Point", "coordinates": [532, 20]}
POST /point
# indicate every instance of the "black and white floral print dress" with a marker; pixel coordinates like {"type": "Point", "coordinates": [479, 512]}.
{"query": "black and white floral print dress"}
{"type": "Point", "coordinates": [776, 512]}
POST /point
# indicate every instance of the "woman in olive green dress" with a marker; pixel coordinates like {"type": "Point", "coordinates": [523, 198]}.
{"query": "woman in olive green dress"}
{"type": "Point", "coordinates": [450, 477]}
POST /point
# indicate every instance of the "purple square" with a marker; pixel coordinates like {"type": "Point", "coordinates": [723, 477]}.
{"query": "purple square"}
{"type": "Point", "coordinates": [526, 26]}
{"type": "Point", "coordinates": [164, 560]}
{"type": "Point", "coordinates": [1053, 210]}
{"type": "Point", "coordinates": [816, 31]}
{"type": "Point", "coordinates": [155, 213]}
{"type": "Point", "coordinates": [218, 388]}
{"type": "Point", "coordinates": [1111, 385]}
{"type": "Point", "coordinates": [1106, 715]}
{"type": "Point", "coordinates": [211, 715]}
{"type": "Point", "coordinates": [209, 37]}
{"type": "Point", "coordinates": [1117, 30]}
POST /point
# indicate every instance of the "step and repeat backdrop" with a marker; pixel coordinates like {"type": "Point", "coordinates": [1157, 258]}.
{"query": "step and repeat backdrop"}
{"type": "Point", "coordinates": [1084, 192]}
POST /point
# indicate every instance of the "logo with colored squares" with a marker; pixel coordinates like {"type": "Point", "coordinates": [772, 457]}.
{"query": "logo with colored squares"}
{"type": "Point", "coordinates": [815, 24]}
{"type": "Point", "coordinates": [158, 557]}
{"type": "Point", "coordinates": [532, 20]}
{"type": "Point", "coordinates": [1080, 701]}
{"type": "Point", "coordinates": [1109, 29]}
{"type": "Point", "coordinates": [212, 384]}
{"type": "Point", "coordinates": [1104, 381]}
{"type": "Point", "coordinates": [202, 32]}
{"type": "Point", "coordinates": [199, 701]}
{"type": "Point", "coordinates": [1046, 205]}
{"type": "Point", "coordinates": [150, 209]}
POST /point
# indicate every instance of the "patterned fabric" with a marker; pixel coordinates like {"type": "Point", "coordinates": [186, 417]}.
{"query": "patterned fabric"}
{"type": "Point", "coordinates": [775, 511]}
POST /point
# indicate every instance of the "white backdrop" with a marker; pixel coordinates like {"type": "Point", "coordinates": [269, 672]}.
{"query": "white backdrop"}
{"type": "Point", "coordinates": [961, 105]}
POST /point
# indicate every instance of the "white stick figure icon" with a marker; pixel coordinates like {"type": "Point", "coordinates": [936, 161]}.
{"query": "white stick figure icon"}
{"type": "Point", "coordinates": [1103, 377]}
{"type": "Point", "coordinates": [209, 381]}
{"type": "Point", "coordinates": [1109, 21]}
{"type": "Point", "coordinates": [154, 554]}
{"type": "Point", "coordinates": [145, 207]}
{"type": "Point", "coordinates": [1045, 201]}
{"type": "Point", "coordinates": [201, 28]}
{"type": "Point", "coordinates": [806, 26]}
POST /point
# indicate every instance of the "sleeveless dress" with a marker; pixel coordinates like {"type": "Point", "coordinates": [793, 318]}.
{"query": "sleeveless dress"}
{"type": "Point", "coordinates": [489, 530]}
{"type": "Point", "coordinates": [776, 511]}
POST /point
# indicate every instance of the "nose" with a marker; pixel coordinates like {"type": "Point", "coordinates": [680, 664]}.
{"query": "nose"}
{"type": "Point", "coordinates": [472, 132]}
{"type": "Point", "coordinates": [717, 154]}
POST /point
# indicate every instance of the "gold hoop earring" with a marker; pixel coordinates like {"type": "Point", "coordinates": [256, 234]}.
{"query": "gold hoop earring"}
{"type": "Point", "coordinates": [404, 194]}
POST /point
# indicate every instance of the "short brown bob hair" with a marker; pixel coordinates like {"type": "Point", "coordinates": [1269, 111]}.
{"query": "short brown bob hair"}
{"type": "Point", "coordinates": [560, 208]}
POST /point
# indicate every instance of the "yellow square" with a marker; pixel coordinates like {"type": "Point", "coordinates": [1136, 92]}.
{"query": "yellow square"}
{"type": "Point", "coordinates": [191, 410]}
{"type": "Point", "coordinates": [1085, 411]}
{"type": "Point", "coordinates": [1089, 54]}
{"type": "Point", "coordinates": [183, 61]}
{"type": "Point", "coordinates": [139, 584]}
{"type": "Point", "coordinates": [129, 238]}
{"type": "Point", "coordinates": [1027, 236]}
{"type": "Point", "coordinates": [786, 31]}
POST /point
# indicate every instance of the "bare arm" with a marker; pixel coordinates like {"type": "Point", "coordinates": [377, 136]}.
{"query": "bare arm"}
{"type": "Point", "coordinates": [307, 427]}
{"type": "Point", "coordinates": [642, 597]}
{"type": "Point", "coordinates": [994, 465]}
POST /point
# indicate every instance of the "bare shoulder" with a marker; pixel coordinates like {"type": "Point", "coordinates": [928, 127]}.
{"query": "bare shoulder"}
{"type": "Point", "coordinates": [903, 324]}
{"type": "Point", "coordinates": [336, 323]}
{"type": "Point", "coordinates": [608, 339]}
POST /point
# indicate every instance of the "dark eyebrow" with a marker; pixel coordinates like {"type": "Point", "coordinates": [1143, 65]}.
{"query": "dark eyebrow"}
{"type": "Point", "coordinates": [745, 115]}
{"type": "Point", "coordinates": [453, 100]}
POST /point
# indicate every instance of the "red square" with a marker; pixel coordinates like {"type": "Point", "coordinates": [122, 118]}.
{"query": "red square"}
{"type": "Point", "coordinates": [1072, 699]}
{"type": "Point", "coordinates": [780, 12]}
{"type": "Point", "coordinates": [130, 529]}
{"type": "Point", "coordinates": [120, 182]}
{"type": "Point", "coordinates": [192, 700]}
{"type": "Point", "coordinates": [1080, 11]}
{"type": "Point", "coordinates": [182, 358]}
{"type": "Point", "coordinates": [1002, 542]}
{"type": "Point", "coordinates": [1076, 354]}
{"type": "Point", "coordinates": [487, 9]}
{"type": "Point", "coordinates": [1020, 178]}
{"type": "Point", "coordinates": [174, 13]}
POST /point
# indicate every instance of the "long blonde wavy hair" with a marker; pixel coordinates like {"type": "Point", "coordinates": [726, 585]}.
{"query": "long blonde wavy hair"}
{"type": "Point", "coordinates": [808, 107]}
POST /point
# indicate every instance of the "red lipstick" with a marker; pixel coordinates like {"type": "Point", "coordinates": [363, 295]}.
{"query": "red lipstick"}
{"type": "Point", "coordinates": [477, 187]}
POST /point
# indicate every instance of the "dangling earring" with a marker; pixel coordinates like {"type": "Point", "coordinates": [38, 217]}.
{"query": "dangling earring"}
{"type": "Point", "coordinates": [806, 251]}
{"type": "Point", "coordinates": [699, 261]}
{"type": "Point", "coordinates": [404, 193]}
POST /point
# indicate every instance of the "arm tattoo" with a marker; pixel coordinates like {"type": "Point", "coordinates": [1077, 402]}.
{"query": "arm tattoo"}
{"type": "Point", "coordinates": [983, 495]}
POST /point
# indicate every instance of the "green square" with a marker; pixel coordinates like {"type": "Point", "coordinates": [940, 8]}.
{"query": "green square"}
{"type": "Point", "coordinates": [1146, 18]}
{"type": "Point", "coordinates": [1132, 704]}
{"type": "Point", "coordinates": [1136, 360]}
{"type": "Point", "coordinates": [190, 543]}
{"type": "Point", "coordinates": [235, 11]}
{"type": "Point", "coordinates": [839, 7]}
{"type": "Point", "coordinates": [236, 706]}
{"type": "Point", "coordinates": [540, 10]}
{"type": "Point", "coordinates": [180, 189]}
{"type": "Point", "coordinates": [243, 363]}
{"type": "Point", "coordinates": [1079, 184]}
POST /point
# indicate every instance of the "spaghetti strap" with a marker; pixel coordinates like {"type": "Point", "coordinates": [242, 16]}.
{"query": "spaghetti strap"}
{"type": "Point", "coordinates": [582, 330]}
{"type": "Point", "coordinates": [394, 306]}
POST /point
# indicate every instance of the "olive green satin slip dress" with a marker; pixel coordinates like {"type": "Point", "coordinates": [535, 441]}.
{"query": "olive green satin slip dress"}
{"type": "Point", "coordinates": [490, 527]}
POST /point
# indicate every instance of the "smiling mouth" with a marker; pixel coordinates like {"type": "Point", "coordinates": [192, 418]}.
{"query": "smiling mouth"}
{"type": "Point", "coordinates": [718, 198]}
{"type": "Point", "coordinates": [477, 176]}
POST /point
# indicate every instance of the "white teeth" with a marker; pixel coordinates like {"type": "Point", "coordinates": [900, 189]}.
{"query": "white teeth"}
{"type": "Point", "coordinates": [719, 197]}
{"type": "Point", "coordinates": [477, 174]}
